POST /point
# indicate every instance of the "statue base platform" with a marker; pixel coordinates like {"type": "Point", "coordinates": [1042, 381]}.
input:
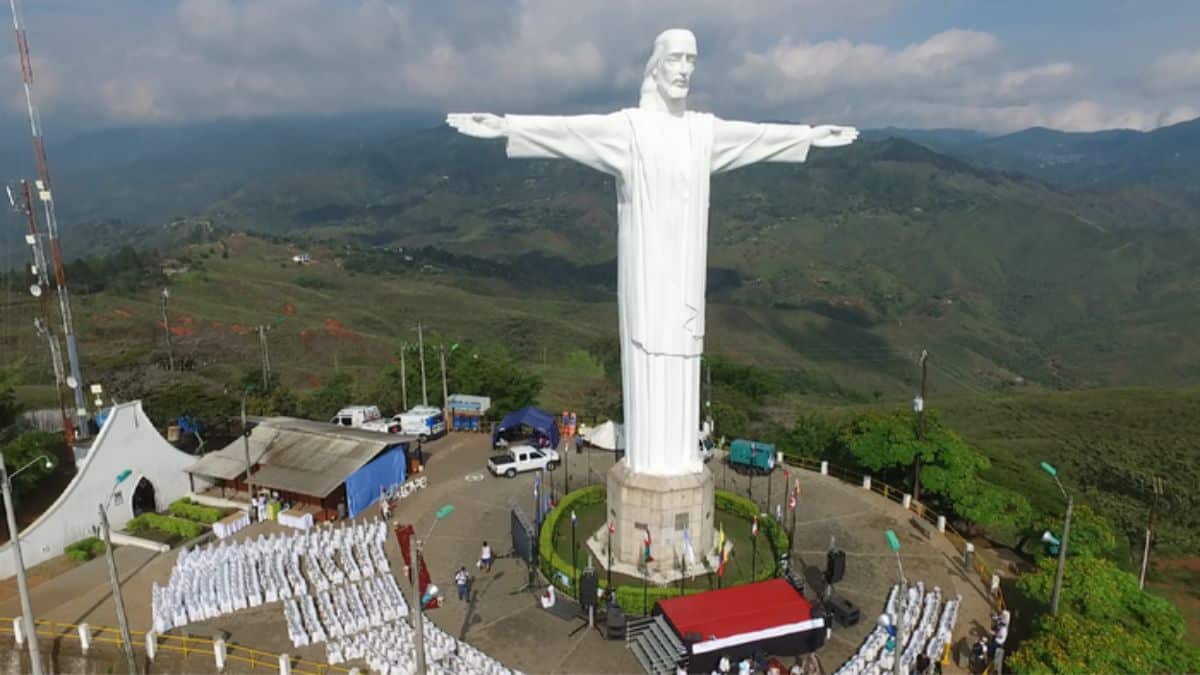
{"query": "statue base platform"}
{"type": "Point", "coordinates": [666, 506]}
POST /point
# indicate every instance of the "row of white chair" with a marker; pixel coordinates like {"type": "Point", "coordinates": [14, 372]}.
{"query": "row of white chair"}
{"type": "Point", "coordinates": [923, 632]}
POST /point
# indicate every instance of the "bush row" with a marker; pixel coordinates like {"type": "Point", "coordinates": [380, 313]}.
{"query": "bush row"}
{"type": "Point", "coordinates": [189, 510]}
{"type": "Point", "coordinates": [169, 524]}
{"type": "Point", "coordinates": [553, 566]}
{"type": "Point", "coordinates": [85, 549]}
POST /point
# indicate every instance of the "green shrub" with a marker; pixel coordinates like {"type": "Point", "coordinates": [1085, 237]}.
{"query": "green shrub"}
{"type": "Point", "coordinates": [168, 524]}
{"type": "Point", "coordinates": [84, 549]}
{"type": "Point", "coordinates": [551, 562]}
{"type": "Point", "coordinates": [775, 535]}
{"type": "Point", "coordinates": [630, 596]}
{"type": "Point", "coordinates": [189, 510]}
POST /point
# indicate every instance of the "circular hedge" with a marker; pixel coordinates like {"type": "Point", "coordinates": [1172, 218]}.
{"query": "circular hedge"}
{"type": "Point", "coordinates": [630, 595]}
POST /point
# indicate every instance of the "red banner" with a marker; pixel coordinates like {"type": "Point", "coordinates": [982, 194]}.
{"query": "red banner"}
{"type": "Point", "coordinates": [404, 534]}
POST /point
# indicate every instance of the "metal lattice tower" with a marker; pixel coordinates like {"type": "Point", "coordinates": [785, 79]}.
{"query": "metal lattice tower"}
{"type": "Point", "coordinates": [46, 196]}
{"type": "Point", "coordinates": [40, 289]}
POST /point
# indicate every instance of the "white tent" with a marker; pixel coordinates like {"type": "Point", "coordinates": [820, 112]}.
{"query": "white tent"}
{"type": "Point", "coordinates": [607, 436]}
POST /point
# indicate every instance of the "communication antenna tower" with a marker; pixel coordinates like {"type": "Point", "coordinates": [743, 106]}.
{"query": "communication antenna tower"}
{"type": "Point", "coordinates": [39, 290]}
{"type": "Point", "coordinates": [44, 193]}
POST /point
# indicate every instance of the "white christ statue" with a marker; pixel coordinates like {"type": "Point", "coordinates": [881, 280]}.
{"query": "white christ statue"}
{"type": "Point", "coordinates": [662, 155]}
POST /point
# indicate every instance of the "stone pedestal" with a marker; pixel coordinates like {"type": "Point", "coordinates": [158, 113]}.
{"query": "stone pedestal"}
{"type": "Point", "coordinates": [665, 506]}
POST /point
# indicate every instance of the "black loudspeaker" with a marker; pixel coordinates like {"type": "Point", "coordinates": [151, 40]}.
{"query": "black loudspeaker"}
{"type": "Point", "coordinates": [588, 585]}
{"type": "Point", "coordinates": [844, 611]}
{"type": "Point", "coordinates": [614, 623]}
{"type": "Point", "coordinates": [835, 566]}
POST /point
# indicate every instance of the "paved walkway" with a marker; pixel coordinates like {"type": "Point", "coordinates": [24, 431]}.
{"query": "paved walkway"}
{"type": "Point", "coordinates": [505, 621]}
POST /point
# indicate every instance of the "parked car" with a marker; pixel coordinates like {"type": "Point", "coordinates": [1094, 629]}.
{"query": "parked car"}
{"type": "Point", "coordinates": [520, 458]}
{"type": "Point", "coordinates": [752, 456]}
{"type": "Point", "coordinates": [424, 422]}
{"type": "Point", "coordinates": [365, 417]}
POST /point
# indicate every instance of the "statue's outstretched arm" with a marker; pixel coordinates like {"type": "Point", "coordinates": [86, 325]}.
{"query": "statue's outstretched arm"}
{"type": "Point", "coordinates": [598, 141]}
{"type": "Point", "coordinates": [737, 144]}
{"type": "Point", "coordinates": [479, 125]}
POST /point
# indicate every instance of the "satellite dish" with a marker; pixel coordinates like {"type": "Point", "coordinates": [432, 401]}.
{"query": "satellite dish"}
{"type": "Point", "coordinates": [35, 290]}
{"type": "Point", "coordinates": [72, 383]}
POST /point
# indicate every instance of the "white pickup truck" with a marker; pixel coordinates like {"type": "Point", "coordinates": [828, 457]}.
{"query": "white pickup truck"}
{"type": "Point", "coordinates": [520, 458]}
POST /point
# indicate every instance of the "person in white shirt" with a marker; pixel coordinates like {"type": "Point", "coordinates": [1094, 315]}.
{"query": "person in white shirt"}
{"type": "Point", "coordinates": [463, 581]}
{"type": "Point", "coordinates": [724, 665]}
{"type": "Point", "coordinates": [548, 598]}
{"type": "Point", "coordinates": [485, 558]}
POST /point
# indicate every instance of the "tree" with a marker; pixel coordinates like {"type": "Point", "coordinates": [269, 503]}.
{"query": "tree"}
{"type": "Point", "coordinates": [24, 449]}
{"type": "Point", "coordinates": [811, 437]}
{"type": "Point", "coordinates": [280, 401]}
{"type": "Point", "coordinates": [9, 407]}
{"type": "Point", "coordinates": [887, 444]}
{"type": "Point", "coordinates": [491, 371]}
{"type": "Point", "coordinates": [1105, 623]}
{"type": "Point", "coordinates": [166, 404]}
{"type": "Point", "coordinates": [324, 402]}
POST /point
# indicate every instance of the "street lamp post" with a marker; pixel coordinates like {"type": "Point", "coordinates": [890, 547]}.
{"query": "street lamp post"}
{"type": "Point", "coordinates": [35, 654]}
{"type": "Point", "coordinates": [1062, 550]}
{"type": "Point", "coordinates": [902, 599]}
{"type": "Point", "coordinates": [126, 640]}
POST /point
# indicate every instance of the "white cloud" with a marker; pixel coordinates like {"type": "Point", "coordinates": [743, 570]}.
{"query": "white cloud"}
{"type": "Point", "coordinates": [1041, 80]}
{"type": "Point", "coordinates": [185, 60]}
{"type": "Point", "coordinates": [1175, 72]}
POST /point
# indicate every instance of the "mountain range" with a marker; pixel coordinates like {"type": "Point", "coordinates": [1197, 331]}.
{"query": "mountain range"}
{"type": "Point", "coordinates": [1044, 257]}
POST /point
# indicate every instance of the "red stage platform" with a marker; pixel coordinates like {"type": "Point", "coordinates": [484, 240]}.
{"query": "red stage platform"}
{"type": "Point", "coordinates": [770, 614]}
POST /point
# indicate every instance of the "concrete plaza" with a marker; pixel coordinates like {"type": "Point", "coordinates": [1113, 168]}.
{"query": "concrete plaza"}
{"type": "Point", "coordinates": [507, 622]}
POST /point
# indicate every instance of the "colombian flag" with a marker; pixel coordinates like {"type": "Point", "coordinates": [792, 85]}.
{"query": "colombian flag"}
{"type": "Point", "coordinates": [721, 552]}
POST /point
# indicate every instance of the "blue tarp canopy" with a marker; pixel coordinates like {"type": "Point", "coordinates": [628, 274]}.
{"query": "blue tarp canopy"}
{"type": "Point", "coordinates": [541, 422]}
{"type": "Point", "coordinates": [388, 469]}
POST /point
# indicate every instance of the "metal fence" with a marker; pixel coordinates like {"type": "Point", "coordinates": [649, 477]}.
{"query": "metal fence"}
{"type": "Point", "coordinates": [187, 646]}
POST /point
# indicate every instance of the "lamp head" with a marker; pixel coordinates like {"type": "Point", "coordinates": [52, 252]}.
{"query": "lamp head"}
{"type": "Point", "coordinates": [1049, 468]}
{"type": "Point", "coordinates": [122, 476]}
{"type": "Point", "coordinates": [893, 541]}
{"type": "Point", "coordinates": [1048, 538]}
{"type": "Point", "coordinates": [49, 464]}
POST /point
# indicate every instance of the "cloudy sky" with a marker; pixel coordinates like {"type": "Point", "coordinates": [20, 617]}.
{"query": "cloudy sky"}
{"type": "Point", "coordinates": [994, 65]}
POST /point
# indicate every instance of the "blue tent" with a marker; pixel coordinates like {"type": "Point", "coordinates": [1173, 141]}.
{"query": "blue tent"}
{"type": "Point", "coordinates": [388, 469]}
{"type": "Point", "coordinates": [541, 422]}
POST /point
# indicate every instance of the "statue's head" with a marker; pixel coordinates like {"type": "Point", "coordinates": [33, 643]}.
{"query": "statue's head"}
{"type": "Point", "coordinates": [669, 70]}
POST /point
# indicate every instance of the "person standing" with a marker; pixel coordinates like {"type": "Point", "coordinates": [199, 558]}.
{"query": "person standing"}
{"type": "Point", "coordinates": [485, 558]}
{"type": "Point", "coordinates": [463, 581]}
{"type": "Point", "coordinates": [385, 507]}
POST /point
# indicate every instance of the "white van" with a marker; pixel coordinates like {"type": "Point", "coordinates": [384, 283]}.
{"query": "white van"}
{"type": "Point", "coordinates": [365, 417]}
{"type": "Point", "coordinates": [424, 422]}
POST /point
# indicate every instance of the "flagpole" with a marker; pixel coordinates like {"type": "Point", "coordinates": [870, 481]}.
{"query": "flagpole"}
{"type": "Point", "coordinates": [770, 475]}
{"type": "Point", "coordinates": [683, 568]}
{"type": "Point", "coordinates": [754, 552]}
{"type": "Point", "coordinates": [574, 562]}
{"type": "Point", "coordinates": [645, 587]}
{"type": "Point", "coordinates": [610, 531]}
{"type": "Point", "coordinates": [792, 529]}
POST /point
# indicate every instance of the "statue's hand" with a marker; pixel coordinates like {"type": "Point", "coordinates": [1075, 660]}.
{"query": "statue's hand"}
{"type": "Point", "coordinates": [831, 136]}
{"type": "Point", "coordinates": [479, 125]}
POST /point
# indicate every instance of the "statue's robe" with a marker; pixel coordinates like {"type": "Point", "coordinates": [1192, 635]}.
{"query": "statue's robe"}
{"type": "Point", "coordinates": [662, 164]}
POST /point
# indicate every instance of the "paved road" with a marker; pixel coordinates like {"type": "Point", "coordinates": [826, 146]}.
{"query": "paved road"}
{"type": "Point", "coordinates": [507, 622]}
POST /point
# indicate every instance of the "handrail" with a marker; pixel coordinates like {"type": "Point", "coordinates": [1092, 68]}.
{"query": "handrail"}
{"type": "Point", "coordinates": [180, 644]}
{"type": "Point", "coordinates": [924, 513]}
{"type": "Point", "coordinates": [896, 495]}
